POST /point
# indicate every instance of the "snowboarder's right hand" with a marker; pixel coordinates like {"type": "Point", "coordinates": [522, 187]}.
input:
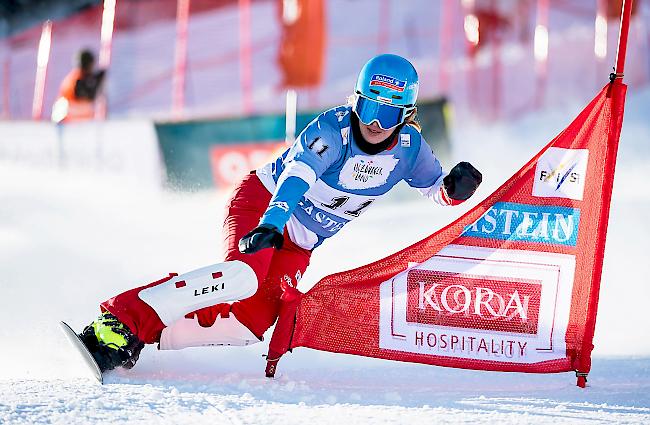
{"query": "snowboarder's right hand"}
{"type": "Point", "coordinates": [263, 236]}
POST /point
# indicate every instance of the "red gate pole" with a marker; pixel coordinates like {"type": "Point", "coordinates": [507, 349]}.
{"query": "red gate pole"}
{"type": "Point", "coordinates": [496, 69]}
{"type": "Point", "coordinates": [43, 57]}
{"type": "Point", "coordinates": [106, 33]}
{"type": "Point", "coordinates": [105, 50]}
{"type": "Point", "coordinates": [5, 88]}
{"type": "Point", "coordinates": [540, 51]}
{"type": "Point", "coordinates": [446, 38]}
{"type": "Point", "coordinates": [471, 26]}
{"type": "Point", "coordinates": [622, 37]}
{"type": "Point", "coordinates": [246, 74]}
{"type": "Point", "coordinates": [617, 92]}
{"type": "Point", "coordinates": [180, 59]}
{"type": "Point", "coordinates": [600, 40]}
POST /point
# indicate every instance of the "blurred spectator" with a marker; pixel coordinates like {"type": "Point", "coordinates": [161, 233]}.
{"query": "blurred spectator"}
{"type": "Point", "coordinates": [78, 91]}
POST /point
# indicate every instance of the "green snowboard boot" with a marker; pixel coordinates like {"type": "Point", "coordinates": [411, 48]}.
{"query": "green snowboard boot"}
{"type": "Point", "coordinates": [111, 343]}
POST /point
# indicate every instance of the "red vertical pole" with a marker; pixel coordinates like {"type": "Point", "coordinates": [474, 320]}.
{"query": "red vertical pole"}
{"type": "Point", "coordinates": [496, 68]}
{"type": "Point", "coordinates": [446, 37]}
{"type": "Point", "coordinates": [471, 27]}
{"type": "Point", "coordinates": [622, 37]}
{"type": "Point", "coordinates": [540, 51]}
{"type": "Point", "coordinates": [42, 60]}
{"type": "Point", "coordinates": [496, 77]}
{"type": "Point", "coordinates": [180, 59]}
{"type": "Point", "coordinates": [5, 88]}
{"type": "Point", "coordinates": [246, 75]}
{"type": "Point", "coordinates": [106, 49]}
{"type": "Point", "coordinates": [108, 20]}
{"type": "Point", "coordinates": [617, 93]}
{"type": "Point", "coordinates": [600, 40]}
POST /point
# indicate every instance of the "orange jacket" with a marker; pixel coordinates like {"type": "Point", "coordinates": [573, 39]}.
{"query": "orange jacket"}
{"type": "Point", "coordinates": [77, 109]}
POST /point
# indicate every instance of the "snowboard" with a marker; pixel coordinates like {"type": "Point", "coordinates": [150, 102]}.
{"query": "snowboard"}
{"type": "Point", "coordinates": [88, 359]}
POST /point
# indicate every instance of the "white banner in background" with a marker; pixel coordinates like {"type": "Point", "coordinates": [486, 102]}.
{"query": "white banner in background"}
{"type": "Point", "coordinates": [122, 148]}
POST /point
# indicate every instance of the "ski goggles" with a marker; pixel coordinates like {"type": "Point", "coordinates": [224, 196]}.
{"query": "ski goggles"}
{"type": "Point", "coordinates": [386, 116]}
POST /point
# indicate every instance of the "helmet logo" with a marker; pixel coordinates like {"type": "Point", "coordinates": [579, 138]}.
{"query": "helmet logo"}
{"type": "Point", "coordinates": [388, 82]}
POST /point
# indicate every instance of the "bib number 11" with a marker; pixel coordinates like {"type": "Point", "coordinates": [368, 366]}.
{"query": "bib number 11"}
{"type": "Point", "coordinates": [339, 201]}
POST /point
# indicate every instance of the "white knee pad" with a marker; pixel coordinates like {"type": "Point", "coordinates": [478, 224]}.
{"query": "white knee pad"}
{"type": "Point", "coordinates": [223, 282]}
{"type": "Point", "coordinates": [188, 333]}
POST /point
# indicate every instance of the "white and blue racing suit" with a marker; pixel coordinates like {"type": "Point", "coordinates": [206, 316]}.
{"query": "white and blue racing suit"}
{"type": "Point", "coordinates": [325, 179]}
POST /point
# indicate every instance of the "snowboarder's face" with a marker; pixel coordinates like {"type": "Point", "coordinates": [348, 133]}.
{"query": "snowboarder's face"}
{"type": "Point", "coordinates": [373, 133]}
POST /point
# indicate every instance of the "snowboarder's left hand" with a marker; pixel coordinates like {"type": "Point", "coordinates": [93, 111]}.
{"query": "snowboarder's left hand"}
{"type": "Point", "coordinates": [462, 181]}
{"type": "Point", "coordinates": [263, 236]}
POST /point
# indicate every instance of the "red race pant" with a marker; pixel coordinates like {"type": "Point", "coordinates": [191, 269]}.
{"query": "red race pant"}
{"type": "Point", "coordinates": [243, 211]}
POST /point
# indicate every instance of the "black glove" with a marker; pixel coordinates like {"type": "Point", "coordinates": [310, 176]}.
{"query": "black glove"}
{"type": "Point", "coordinates": [263, 236]}
{"type": "Point", "coordinates": [462, 181]}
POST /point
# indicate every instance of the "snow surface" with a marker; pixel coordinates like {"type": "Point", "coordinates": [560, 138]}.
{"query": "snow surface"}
{"type": "Point", "coordinates": [69, 240]}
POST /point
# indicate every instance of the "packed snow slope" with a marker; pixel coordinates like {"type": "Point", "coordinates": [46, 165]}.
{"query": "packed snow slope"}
{"type": "Point", "coordinates": [69, 240]}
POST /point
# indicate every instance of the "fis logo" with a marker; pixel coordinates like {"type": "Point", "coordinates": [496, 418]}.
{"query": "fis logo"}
{"type": "Point", "coordinates": [560, 173]}
{"type": "Point", "coordinates": [560, 176]}
{"type": "Point", "coordinates": [388, 82]}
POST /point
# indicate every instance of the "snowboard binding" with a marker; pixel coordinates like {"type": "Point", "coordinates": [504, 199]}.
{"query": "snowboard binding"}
{"type": "Point", "coordinates": [111, 343]}
{"type": "Point", "coordinates": [105, 344]}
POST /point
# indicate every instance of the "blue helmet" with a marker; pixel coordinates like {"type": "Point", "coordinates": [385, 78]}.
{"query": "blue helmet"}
{"type": "Point", "coordinates": [386, 91]}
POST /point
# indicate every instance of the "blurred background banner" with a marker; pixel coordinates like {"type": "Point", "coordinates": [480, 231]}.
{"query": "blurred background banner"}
{"type": "Point", "coordinates": [495, 59]}
{"type": "Point", "coordinates": [228, 72]}
{"type": "Point", "coordinates": [120, 148]}
{"type": "Point", "coordinates": [229, 163]}
{"type": "Point", "coordinates": [302, 47]}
